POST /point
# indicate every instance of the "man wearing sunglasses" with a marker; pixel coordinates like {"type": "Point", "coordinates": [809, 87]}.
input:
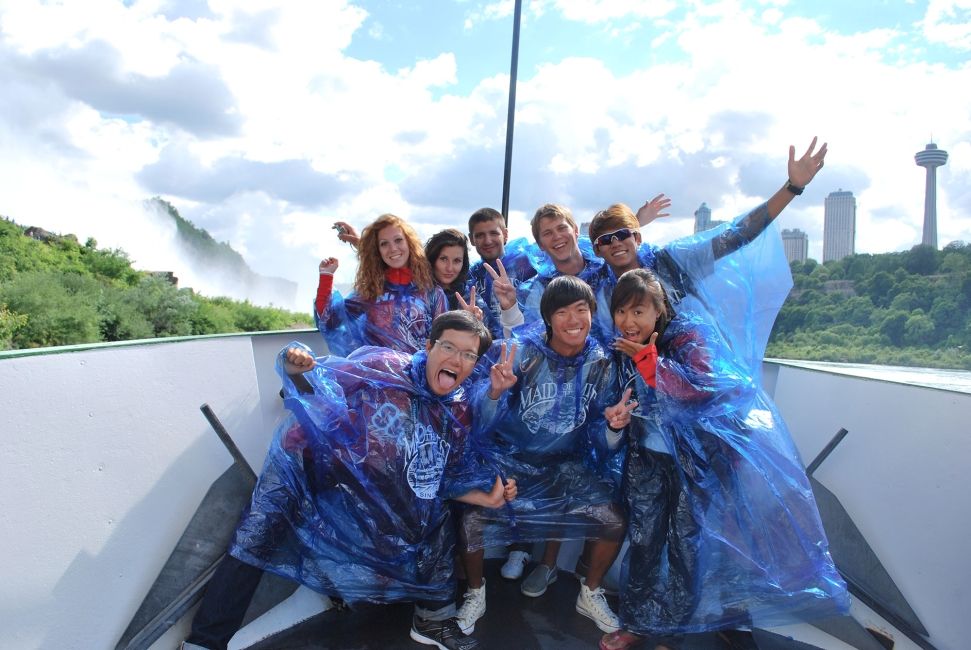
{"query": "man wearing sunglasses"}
{"type": "Point", "coordinates": [617, 241]}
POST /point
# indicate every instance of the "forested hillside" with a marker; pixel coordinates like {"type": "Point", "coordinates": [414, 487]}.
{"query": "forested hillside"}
{"type": "Point", "coordinates": [911, 308]}
{"type": "Point", "coordinates": [56, 291]}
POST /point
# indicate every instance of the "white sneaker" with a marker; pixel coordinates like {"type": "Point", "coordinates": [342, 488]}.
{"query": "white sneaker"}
{"type": "Point", "coordinates": [513, 568]}
{"type": "Point", "coordinates": [472, 609]}
{"type": "Point", "coordinates": [593, 605]}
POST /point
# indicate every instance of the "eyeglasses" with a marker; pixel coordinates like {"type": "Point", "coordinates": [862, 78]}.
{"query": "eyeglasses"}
{"type": "Point", "coordinates": [451, 350]}
{"type": "Point", "coordinates": [619, 235]}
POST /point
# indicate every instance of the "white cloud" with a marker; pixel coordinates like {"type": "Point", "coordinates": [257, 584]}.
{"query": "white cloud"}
{"type": "Point", "coordinates": [949, 22]}
{"type": "Point", "coordinates": [490, 11]}
{"type": "Point", "coordinates": [596, 11]}
{"type": "Point", "coordinates": [711, 125]}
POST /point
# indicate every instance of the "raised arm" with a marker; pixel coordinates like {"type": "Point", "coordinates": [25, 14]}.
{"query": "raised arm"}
{"type": "Point", "coordinates": [325, 285]}
{"type": "Point", "coordinates": [346, 233]}
{"type": "Point", "coordinates": [801, 173]}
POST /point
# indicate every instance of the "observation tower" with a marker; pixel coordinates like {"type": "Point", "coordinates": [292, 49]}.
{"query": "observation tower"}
{"type": "Point", "coordinates": [930, 158]}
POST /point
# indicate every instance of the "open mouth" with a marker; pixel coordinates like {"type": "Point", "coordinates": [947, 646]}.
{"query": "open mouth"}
{"type": "Point", "coordinates": [632, 336]}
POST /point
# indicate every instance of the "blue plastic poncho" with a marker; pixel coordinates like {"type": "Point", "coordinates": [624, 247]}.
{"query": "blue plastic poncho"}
{"type": "Point", "coordinates": [530, 292]}
{"type": "Point", "coordinates": [547, 432]}
{"type": "Point", "coordinates": [399, 319]}
{"type": "Point", "coordinates": [746, 305]}
{"type": "Point", "coordinates": [517, 263]}
{"type": "Point", "coordinates": [351, 500]}
{"type": "Point", "coordinates": [724, 529]}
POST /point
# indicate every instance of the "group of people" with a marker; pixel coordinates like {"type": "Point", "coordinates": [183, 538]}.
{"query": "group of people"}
{"type": "Point", "coordinates": [600, 390]}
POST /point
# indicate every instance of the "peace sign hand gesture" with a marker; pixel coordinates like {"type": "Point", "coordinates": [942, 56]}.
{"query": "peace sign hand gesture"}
{"type": "Point", "coordinates": [501, 375]}
{"type": "Point", "coordinates": [502, 285]}
{"type": "Point", "coordinates": [469, 306]}
{"type": "Point", "coordinates": [618, 415]}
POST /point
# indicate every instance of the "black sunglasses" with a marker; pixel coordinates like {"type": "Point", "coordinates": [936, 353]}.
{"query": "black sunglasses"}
{"type": "Point", "coordinates": [620, 235]}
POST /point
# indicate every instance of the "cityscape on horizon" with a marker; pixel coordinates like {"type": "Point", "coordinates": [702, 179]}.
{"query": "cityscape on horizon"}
{"type": "Point", "coordinates": [839, 220]}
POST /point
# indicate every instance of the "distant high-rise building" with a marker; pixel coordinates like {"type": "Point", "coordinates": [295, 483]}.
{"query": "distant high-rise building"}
{"type": "Point", "coordinates": [839, 225]}
{"type": "Point", "coordinates": [796, 244]}
{"type": "Point", "coordinates": [702, 218]}
{"type": "Point", "coordinates": [930, 158]}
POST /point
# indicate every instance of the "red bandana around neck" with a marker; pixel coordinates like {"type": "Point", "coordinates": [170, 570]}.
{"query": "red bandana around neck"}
{"type": "Point", "coordinates": [398, 276]}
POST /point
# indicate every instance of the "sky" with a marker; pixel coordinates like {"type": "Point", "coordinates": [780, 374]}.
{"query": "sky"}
{"type": "Point", "coordinates": [266, 121]}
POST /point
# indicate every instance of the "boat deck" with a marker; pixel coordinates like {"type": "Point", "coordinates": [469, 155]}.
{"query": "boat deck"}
{"type": "Point", "coordinates": [512, 621]}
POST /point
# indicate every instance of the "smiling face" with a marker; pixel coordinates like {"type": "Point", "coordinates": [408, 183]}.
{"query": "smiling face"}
{"type": "Point", "coordinates": [445, 370]}
{"type": "Point", "coordinates": [558, 238]}
{"type": "Point", "coordinates": [620, 255]}
{"type": "Point", "coordinates": [448, 264]}
{"type": "Point", "coordinates": [393, 247]}
{"type": "Point", "coordinates": [569, 326]}
{"type": "Point", "coordinates": [636, 321]}
{"type": "Point", "coordinates": [489, 239]}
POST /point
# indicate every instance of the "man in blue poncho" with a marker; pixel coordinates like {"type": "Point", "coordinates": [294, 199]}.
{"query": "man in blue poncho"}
{"type": "Point", "coordinates": [352, 498]}
{"type": "Point", "coordinates": [500, 257]}
{"type": "Point", "coordinates": [551, 414]}
{"type": "Point", "coordinates": [557, 234]}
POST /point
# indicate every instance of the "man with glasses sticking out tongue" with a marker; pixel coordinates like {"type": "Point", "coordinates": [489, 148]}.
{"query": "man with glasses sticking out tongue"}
{"type": "Point", "coordinates": [352, 500]}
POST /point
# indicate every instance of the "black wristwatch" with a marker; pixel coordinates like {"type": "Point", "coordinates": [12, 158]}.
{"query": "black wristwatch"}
{"type": "Point", "coordinates": [795, 189]}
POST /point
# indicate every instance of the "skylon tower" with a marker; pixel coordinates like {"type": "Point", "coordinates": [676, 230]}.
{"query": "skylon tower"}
{"type": "Point", "coordinates": [930, 159]}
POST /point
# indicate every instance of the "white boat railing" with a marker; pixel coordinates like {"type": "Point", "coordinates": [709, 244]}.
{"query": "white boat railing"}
{"type": "Point", "coordinates": [106, 457]}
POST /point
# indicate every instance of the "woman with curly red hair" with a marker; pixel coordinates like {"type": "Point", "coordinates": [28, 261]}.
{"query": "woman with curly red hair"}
{"type": "Point", "coordinates": [395, 298]}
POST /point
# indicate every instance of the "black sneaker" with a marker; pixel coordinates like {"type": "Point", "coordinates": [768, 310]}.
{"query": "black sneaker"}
{"type": "Point", "coordinates": [446, 635]}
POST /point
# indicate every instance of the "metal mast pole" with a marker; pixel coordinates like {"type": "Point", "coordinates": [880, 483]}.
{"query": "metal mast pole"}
{"type": "Point", "coordinates": [511, 117]}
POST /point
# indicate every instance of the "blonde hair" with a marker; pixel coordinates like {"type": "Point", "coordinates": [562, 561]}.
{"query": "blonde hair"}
{"type": "Point", "coordinates": [613, 218]}
{"type": "Point", "coordinates": [369, 281]}
{"type": "Point", "coordinates": [547, 211]}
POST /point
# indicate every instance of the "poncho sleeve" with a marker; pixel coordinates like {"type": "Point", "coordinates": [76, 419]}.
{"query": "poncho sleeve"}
{"type": "Point", "coordinates": [736, 274]}
{"type": "Point", "coordinates": [696, 374]}
{"type": "Point", "coordinates": [342, 328]}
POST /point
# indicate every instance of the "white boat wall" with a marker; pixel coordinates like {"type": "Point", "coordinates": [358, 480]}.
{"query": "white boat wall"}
{"type": "Point", "coordinates": [106, 458]}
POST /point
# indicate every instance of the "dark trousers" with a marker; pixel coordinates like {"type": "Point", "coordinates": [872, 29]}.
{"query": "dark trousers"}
{"type": "Point", "coordinates": [228, 596]}
{"type": "Point", "coordinates": [224, 604]}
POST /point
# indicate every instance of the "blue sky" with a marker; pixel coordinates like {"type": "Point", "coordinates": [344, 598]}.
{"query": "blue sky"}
{"type": "Point", "coordinates": [264, 121]}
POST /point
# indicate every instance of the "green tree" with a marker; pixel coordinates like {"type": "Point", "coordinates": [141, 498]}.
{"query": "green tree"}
{"type": "Point", "coordinates": [60, 308]}
{"type": "Point", "coordinates": [892, 326]}
{"type": "Point", "coordinates": [918, 328]}
{"type": "Point", "coordinates": [879, 289]}
{"type": "Point", "coordinates": [10, 322]}
{"type": "Point", "coordinates": [169, 310]}
{"type": "Point", "coordinates": [921, 260]}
